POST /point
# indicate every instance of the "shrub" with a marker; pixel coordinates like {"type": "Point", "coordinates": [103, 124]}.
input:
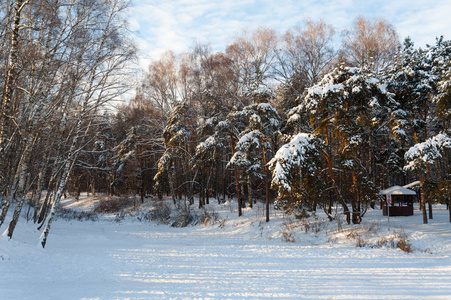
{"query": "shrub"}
{"type": "Point", "coordinates": [68, 214]}
{"type": "Point", "coordinates": [182, 219]}
{"type": "Point", "coordinates": [399, 240]}
{"type": "Point", "coordinates": [403, 243]}
{"type": "Point", "coordinates": [206, 217]}
{"type": "Point", "coordinates": [161, 214]}
{"type": "Point", "coordinates": [288, 237]}
{"type": "Point", "coordinates": [113, 205]}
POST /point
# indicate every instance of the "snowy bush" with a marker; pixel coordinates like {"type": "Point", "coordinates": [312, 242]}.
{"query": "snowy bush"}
{"type": "Point", "coordinates": [161, 213]}
{"type": "Point", "coordinates": [182, 219]}
{"type": "Point", "coordinates": [113, 205]}
{"type": "Point", "coordinates": [207, 216]}
{"type": "Point", "coordinates": [68, 215]}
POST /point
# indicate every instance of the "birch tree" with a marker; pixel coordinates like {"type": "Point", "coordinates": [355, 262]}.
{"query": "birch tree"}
{"type": "Point", "coordinates": [371, 44]}
{"type": "Point", "coordinates": [78, 57]}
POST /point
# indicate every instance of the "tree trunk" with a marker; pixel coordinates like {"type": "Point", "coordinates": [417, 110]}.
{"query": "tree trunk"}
{"type": "Point", "coordinates": [337, 189]}
{"type": "Point", "coordinates": [430, 210]}
{"type": "Point", "coordinates": [425, 217]}
{"type": "Point", "coordinates": [201, 191]}
{"type": "Point", "coordinates": [51, 185]}
{"type": "Point", "coordinates": [266, 186]}
{"type": "Point", "coordinates": [40, 186]}
{"type": "Point", "coordinates": [11, 73]}
{"type": "Point", "coordinates": [422, 200]}
{"type": "Point", "coordinates": [356, 217]}
{"type": "Point", "coordinates": [93, 185]}
{"type": "Point", "coordinates": [68, 166]}
{"type": "Point", "coordinates": [207, 188]}
{"type": "Point", "coordinates": [44, 209]}
{"type": "Point", "coordinates": [171, 184]}
{"type": "Point", "coordinates": [266, 181]}
{"type": "Point", "coordinates": [249, 191]}
{"type": "Point", "coordinates": [237, 182]}
{"type": "Point", "coordinates": [20, 193]}
{"type": "Point", "coordinates": [243, 194]}
{"type": "Point", "coordinates": [12, 190]}
{"type": "Point", "coordinates": [449, 209]}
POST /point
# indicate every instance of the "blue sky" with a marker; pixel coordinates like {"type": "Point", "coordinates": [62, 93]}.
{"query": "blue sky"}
{"type": "Point", "coordinates": [176, 25]}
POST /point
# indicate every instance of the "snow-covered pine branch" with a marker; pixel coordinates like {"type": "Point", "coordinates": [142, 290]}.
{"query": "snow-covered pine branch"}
{"type": "Point", "coordinates": [427, 152]}
{"type": "Point", "coordinates": [290, 157]}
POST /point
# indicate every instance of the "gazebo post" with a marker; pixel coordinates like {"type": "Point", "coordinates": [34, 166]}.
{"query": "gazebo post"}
{"type": "Point", "coordinates": [388, 209]}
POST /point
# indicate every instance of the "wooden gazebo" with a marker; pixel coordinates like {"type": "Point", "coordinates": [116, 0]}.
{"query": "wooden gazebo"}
{"type": "Point", "coordinates": [401, 201]}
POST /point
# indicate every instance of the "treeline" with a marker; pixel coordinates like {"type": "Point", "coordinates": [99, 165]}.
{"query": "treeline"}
{"type": "Point", "coordinates": [291, 119]}
{"type": "Point", "coordinates": [275, 117]}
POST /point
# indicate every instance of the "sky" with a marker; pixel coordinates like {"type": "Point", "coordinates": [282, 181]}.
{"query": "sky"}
{"type": "Point", "coordinates": [161, 25]}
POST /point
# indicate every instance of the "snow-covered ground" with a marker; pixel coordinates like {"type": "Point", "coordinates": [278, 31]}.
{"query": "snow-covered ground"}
{"type": "Point", "coordinates": [234, 258]}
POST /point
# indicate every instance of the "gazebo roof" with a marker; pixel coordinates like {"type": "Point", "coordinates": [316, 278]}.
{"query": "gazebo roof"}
{"type": "Point", "coordinates": [398, 190]}
{"type": "Point", "coordinates": [415, 183]}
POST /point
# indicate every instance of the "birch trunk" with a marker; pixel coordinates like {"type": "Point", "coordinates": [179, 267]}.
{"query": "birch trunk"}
{"type": "Point", "coordinates": [61, 187]}
{"type": "Point", "coordinates": [11, 73]}
{"type": "Point", "coordinates": [20, 192]}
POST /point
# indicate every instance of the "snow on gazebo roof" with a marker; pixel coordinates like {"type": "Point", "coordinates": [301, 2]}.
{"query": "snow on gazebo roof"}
{"type": "Point", "coordinates": [412, 184]}
{"type": "Point", "coordinates": [398, 190]}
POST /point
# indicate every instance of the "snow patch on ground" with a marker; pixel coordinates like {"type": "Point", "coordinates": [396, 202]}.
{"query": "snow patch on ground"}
{"type": "Point", "coordinates": [233, 258]}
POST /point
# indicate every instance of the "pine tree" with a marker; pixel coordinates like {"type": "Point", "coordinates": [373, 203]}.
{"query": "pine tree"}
{"type": "Point", "coordinates": [416, 85]}
{"type": "Point", "coordinates": [207, 160]}
{"type": "Point", "coordinates": [346, 109]}
{"type": "Point", "coordinates": [175, 164]}
{"type": "Point", "coordinates": [254, 147]}
{"type": "Point", "coordinates": [295, 169]}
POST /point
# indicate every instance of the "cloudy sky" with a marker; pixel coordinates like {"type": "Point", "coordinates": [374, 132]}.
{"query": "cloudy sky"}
{"type": "Point", "coordinates": [177, 24]}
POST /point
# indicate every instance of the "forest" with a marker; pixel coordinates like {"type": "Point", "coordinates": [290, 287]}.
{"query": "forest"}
{"type": "Point", "coordinates": [311, 118]}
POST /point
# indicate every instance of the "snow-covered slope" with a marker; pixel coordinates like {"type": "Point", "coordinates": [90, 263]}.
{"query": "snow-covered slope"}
{"type": "Point", "coordinates": [234, 258]}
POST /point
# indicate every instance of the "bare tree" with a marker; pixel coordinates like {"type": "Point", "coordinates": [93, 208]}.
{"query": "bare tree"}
{"type": "Point", "coordinates": [370, 43]}
{"type": "Point", "coordinates": [160, 86]}
{"type": "Point", "coordinates": [73, 58]}
{"type": "Point", "coordinates": [306, 52]}
{"type": "Point", "coordinates": [254, 55]}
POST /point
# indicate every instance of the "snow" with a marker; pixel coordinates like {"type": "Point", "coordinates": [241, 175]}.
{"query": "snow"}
{"type": "Point", "coordinates": [398, 190]}
{"type": "Point", "coordinates": [223, 124]}
{"type": "Point", "coordinates": [209, 143]}
{"type": "Point", "coordinates": [236, 258]}
{"type": "Point", "coordinates": [426, 152]}
{"type": "Point", "coordinates": [374, 103]}
{"type": "Point", "coordinates": [249, 139]}
{"type": "Point", "coordinates": [383, 88]}
{"type": "Point", "coordinates": [268, 108]}
{"type": "Point", "coordinates": [400, 113]}
{"type": "Point", "coordinates": [324, 90]}
{"type": "Point", "coordinates": [348, 163]}
{"type": "Point", "coordinates": [289, 156]}
{"type": "Point", "coordinates": [255, 119]}
{"type": "Point", "coordinates": [294, 118]}
{"type": "Point", "coordinates": [372, 80]}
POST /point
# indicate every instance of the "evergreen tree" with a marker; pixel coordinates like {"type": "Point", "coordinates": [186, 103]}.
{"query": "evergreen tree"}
{"type": "Point", "coordinates": [175, 164]}
{"type": "Point", "coordinates": [346, 109]}
{"type": "Point", "coordinates": [254, 147]}
{"type": "Point", "coordinates": [295, 173]}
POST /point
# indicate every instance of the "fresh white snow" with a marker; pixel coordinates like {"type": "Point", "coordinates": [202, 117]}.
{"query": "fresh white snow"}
{"type": "Point", "coordinates": [234, 258]}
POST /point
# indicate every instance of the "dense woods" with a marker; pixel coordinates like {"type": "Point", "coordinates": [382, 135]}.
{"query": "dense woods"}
{"type": "Point", "coordinates": [291, 119]}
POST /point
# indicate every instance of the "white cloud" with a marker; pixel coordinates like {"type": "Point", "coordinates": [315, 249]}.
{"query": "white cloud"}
{"type": "Point", "coordinates": [177, 24]}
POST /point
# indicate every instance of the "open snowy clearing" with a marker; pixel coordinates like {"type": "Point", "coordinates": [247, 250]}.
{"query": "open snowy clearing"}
{"type": "Point", "coordinates": [234, 258]}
